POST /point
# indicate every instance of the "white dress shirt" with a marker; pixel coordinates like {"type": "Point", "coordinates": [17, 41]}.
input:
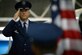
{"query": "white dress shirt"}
{"type": "Point", "coordinates": [27, 24]}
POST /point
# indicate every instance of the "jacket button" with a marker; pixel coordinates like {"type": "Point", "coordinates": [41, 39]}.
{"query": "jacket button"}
{"type": "Point", "coordinates": [25, 44]}
{"type": "Point", "coordinates": [24, 49]}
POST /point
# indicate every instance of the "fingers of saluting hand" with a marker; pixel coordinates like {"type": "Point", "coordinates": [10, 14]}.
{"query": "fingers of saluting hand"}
{"type": "Point", "coordinates": [16, 14]}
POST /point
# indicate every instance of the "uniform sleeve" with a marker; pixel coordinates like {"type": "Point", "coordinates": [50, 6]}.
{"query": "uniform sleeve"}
{"type": "Point", "coordinates": [9, 29]}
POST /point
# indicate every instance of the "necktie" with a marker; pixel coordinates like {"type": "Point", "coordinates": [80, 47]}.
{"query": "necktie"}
{"type": "Point", "coordinates": [24, 26]}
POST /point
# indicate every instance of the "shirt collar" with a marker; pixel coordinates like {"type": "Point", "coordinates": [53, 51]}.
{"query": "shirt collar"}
{"type": "Point", "coordinates": [27, 22]}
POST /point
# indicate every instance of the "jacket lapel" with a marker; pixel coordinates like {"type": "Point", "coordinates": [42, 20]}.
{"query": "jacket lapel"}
{"type": "Point", "coordinates": [19, 28]}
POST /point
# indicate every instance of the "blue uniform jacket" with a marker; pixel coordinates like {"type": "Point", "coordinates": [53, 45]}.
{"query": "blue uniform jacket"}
{"type": "Point", "coordinates": [21, 44]}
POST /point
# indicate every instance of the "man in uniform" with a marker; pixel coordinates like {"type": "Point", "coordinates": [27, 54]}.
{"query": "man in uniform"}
{"type": "Point", "coordinates": [17, 29]}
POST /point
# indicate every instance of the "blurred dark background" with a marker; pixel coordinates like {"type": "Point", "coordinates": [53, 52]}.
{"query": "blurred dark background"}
{"type": "Point", "coordinates": [78, 4]}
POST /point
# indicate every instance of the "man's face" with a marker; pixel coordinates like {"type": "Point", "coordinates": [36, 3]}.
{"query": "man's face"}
{"type": "Point", "coordinates": [24, 14]}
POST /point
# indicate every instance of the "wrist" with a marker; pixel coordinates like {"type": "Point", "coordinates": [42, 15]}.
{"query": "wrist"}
{"type": "Point", "coordinates": [15, 19]}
